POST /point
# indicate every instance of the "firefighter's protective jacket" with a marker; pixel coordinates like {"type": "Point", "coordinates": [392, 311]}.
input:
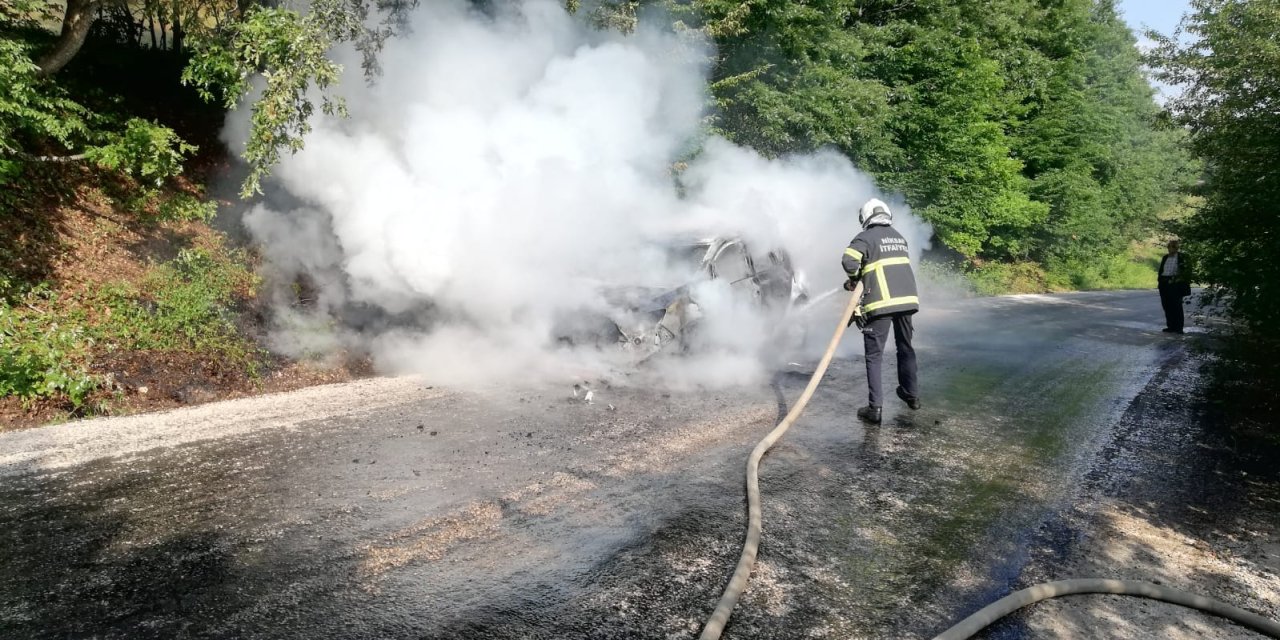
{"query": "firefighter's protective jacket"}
{"type": "Point", "coordinates": [878, 256]}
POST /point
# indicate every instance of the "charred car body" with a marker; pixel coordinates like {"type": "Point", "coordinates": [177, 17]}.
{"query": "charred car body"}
{"type": "Point", "coordinates": [646, 321]}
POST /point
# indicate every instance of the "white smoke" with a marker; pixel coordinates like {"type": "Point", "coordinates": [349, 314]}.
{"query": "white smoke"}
{"type": "Point", "coordinates": [502, 170]}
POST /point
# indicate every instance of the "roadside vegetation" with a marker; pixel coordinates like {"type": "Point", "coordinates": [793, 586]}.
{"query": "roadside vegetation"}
{"type": "Point", "coordinates": [1024, 131]}
{"type": "Point", "coordinates": [1226, 59]}
{"type": "Point", "coordinates": [116, 293]}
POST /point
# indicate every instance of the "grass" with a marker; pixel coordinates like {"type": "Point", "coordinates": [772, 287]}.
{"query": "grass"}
{"type": "Point", "coordinates": [42, 355]}
{"type": "Point", "coordinates": [48, 339]}
{"type": "Point", "coordinates": [183, 304]}
{"type": "Point", "coordinates": [996, 278]}
{"type": "Point", "coordinates": [1134, 269]}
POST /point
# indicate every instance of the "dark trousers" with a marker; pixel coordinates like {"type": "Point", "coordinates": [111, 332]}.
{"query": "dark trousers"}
{"type": "Point", "coordinates": [874, 337]}
{"type": "Point", "coordinates": [1171, 300]}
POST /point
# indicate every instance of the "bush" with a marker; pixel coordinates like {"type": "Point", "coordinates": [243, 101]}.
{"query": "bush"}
{"type": "Point", "coordinates": [183, 207]}
{"type": "Point", "coordinates": [996, 278]}
{"type": "Point", "coordinates": [154, 205]}
{"type": "Point", "coordinates": [186, 304]}
{"type": "Point", "coordinates": [146, 151]}
{"type": "Point", "coordinates": [41, 358]}
{"type": "Point", "coordinates": [1134, 269]}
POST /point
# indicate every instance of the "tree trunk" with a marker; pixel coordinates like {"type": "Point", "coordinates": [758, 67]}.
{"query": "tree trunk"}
{"type": "Point", "coordinates": [151, 22]}
{"type": "Point", "coordinates": [178, 34]}
{"type": "Point", "coordinates": [75, 26]}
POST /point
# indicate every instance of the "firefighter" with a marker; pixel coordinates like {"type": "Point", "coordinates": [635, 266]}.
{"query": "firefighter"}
{"type": "Point", "coordinates": [878, 258]}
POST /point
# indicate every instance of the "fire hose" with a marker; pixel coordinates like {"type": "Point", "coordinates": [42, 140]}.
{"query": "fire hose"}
{"type": "Point", "coordinates": [971, 625]}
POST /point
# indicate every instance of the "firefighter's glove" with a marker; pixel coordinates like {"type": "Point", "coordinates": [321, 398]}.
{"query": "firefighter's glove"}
{"type": "Point", "coordinates": [858, 319]}
{"type": "Point", "coordinates": [850, 284]}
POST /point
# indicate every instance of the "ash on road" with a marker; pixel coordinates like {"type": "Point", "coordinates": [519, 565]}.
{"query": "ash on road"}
{"type": "Point", "coordinates": [386, 509]}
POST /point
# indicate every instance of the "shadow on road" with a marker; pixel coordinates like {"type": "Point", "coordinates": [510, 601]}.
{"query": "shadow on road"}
{"type": "Point", "coordinates": [76, 564]}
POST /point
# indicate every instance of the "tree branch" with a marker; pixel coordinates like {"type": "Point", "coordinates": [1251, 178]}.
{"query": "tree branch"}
{"type": "Point", "coordinates": [22, 155]}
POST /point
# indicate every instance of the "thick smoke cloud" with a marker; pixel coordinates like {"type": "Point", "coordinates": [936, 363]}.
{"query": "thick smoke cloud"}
{"type": "Point", "coordinates": [504, 171]}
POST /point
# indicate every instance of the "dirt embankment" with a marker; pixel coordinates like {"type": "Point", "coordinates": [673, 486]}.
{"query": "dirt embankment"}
{"type": "Point", "coordinates": [74, 251]}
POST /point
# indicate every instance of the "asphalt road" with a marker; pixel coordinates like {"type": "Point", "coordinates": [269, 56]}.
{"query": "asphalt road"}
{"type": "Point", "coordinates": [387, 509]}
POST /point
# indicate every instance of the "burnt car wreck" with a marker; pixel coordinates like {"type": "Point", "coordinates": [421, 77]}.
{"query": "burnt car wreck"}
{"type": "Point", "coordinates": [646, 321]}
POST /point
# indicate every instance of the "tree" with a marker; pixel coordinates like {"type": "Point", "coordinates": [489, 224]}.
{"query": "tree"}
{"type": "Point", "coordinates": [945, 63]}
{"type": "Point", "coordinates": [41, 123]}
{"type": "Point", "coordinates": [76, 20]}
{"type": "Point", "coordinates": [289, 49]}
{"type": "Point", "coordinates": [172, 16]}
{"type": "Point", "coordinates": [1230, 105]}
{"type": "Point", "coordinates": [1020, 128]}
{"type": "Point", "coordinates": [907, 91]}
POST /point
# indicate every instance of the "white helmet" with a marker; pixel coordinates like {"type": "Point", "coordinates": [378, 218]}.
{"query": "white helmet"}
{"type": "Point", "coordinates": [875, 211]}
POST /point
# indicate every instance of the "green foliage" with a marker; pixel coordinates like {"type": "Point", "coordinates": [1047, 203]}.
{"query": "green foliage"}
{"type": "Point", "coordinates": [288, 50]}
{"type": "Point", "coordinates": [1022, 130]}
{"type": "Point", "coordinates": [41, 122]}
{"type": "Point", "coordinates": [1227, 70]}
{"type": "Point", "coordinates": [183, 207]}
{"type": "Point", "coordinates": [1133, 269]}
{"type": "Point", "coordinates": [26, 14]}
{"type": "Point", "coordinates": [185, 305]}
{"type": "Point", "coordinates": [145, 150]}
{"type": "Point", "coordinates": [788, 78]}
{"type": "Point", "coordinates": [41, 357]}
{"type": "Point", "coordinates": [31, 108]}
{"type": "Point", "coordinates": [997, 278]}
{"type": "Point", "coordinates": [1095, 145]}
{"type": "Point", "coordinates": [951, 108]}
{"type": "Point", "coordinates": [155, 204]}
{"type": "Point", "coordinates": [615, 15]}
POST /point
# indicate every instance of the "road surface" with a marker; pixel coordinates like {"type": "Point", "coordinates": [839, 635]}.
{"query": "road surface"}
{"type": "Point", "coordinates": [388, 509]}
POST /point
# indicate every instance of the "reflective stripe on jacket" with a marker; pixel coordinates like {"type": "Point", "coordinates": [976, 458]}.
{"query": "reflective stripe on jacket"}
{"type": "Point", "coordinates": [878, 256]}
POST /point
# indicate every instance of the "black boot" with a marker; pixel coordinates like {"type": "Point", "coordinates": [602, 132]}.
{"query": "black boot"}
{"type": "Point", "coordinates": [911, 400]}
{"type": "Point", "coordinates": [870, 414]}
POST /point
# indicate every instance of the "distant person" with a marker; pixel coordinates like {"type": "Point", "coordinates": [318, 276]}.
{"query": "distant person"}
{"type": "Point", "coordinates": [878, 258]}
{"type": "Point", "coordinates": [1174, 282]}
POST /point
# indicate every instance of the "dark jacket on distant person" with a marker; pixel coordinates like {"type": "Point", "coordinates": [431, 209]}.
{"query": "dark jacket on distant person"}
{"type": "Point", "coordinates": [1181, 278]}
{"type": "Point", "coordinates": [1173, 288]}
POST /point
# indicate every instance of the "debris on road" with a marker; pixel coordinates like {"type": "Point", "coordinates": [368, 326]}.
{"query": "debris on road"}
{"type": "Point", "coordinates": [584, 393]}
{"type": "Point", "coordinates": [646, 319]}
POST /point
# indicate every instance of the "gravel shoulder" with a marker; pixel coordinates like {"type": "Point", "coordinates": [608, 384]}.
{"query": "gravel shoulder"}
{"type": "Point", "coordinates": [73, 443]}
{"type": "Point", "coordinates": [1181, 497]}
